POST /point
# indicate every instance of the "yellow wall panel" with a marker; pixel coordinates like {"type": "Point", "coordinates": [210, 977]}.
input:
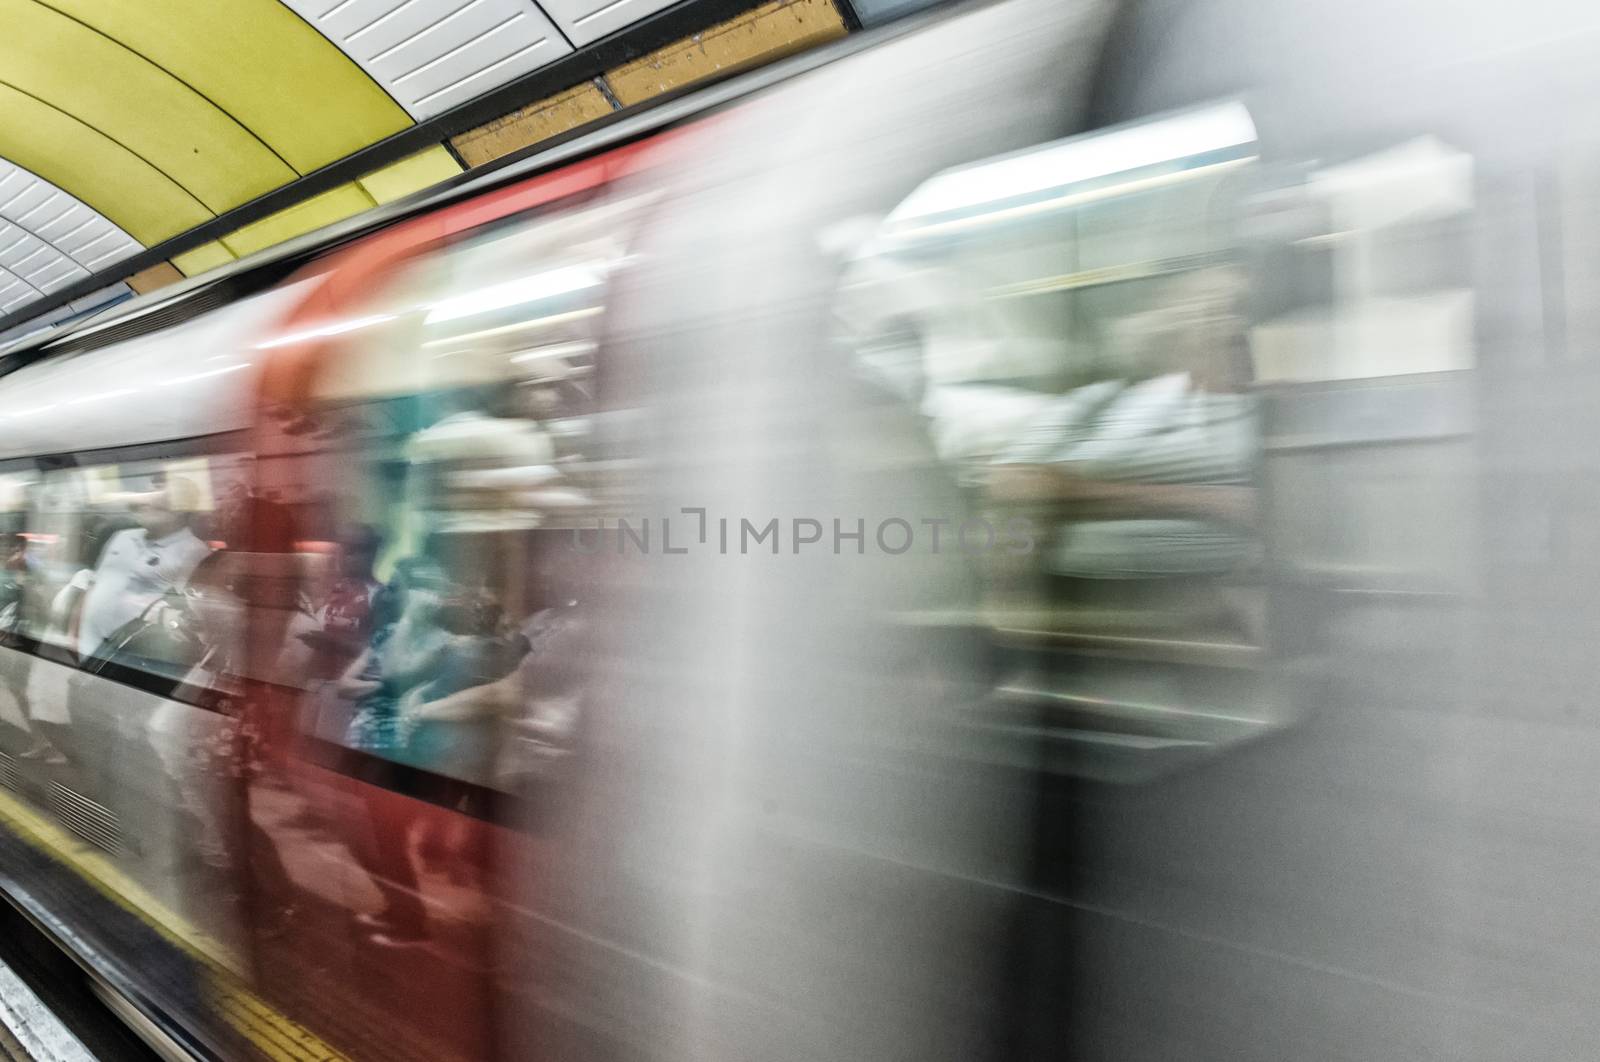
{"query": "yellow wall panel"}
{"type": "Point", "coordinates": [758, 35]}
{"type": "Point", "coordinates": [136, 103]}
{"type": "Point", "coordinates": [260, 62]}
{"type": "Point", "coordinates": [206, 256]}
{"type": "Point", "coordinates": [399, 179]}
{"type": "Point", "coordinates": [333, 205]}
{"type": "Point", "coordinates": [107, 176]}
{"type": "Point", "coordinates": [531, 124]}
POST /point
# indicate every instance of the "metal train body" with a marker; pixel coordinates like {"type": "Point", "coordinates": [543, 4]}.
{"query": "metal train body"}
{"type": "Point", "coordinates": [1242, 746]}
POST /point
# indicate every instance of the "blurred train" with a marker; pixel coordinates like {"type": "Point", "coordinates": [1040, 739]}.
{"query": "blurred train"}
{"type": "Point", "coordinates": [1050, 530]}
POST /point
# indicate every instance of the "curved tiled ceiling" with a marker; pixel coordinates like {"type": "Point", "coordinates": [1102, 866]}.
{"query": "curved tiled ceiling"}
{"type": "Point", "coordinates": [164, 113]}
{"type": "Point", "coordinates": [147, 119]}
{"type": "Point", "coordinates": [133, 121]}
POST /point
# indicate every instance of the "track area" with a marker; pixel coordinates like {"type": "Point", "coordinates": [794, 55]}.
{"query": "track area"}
{"type": "Point", "coordinates": [49, 1011]}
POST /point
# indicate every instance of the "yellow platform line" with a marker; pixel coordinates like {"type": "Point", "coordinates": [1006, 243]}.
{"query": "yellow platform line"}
{"type": "Point", "coordinates": [275, 1035]}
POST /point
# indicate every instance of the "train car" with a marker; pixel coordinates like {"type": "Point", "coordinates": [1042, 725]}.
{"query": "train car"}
{"type": "Point", "coordinates": [1051, 530]}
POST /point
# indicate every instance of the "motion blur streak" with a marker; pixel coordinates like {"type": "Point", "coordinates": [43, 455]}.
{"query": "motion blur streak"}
{"type": "Point", "coordinates": [1055, 530]}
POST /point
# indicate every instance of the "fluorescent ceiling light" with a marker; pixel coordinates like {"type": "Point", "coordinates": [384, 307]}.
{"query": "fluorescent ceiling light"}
{"type": "Point", "coordinates": [1081, 159]}
{"type": "Point", "coordinates": [548, 284]}
{"type": "Point", "coordinates": [334, 328]}
{"type": "Point", "coordinates": [457, 343]}
{"type": "Point", "coordinates": [556, 350]}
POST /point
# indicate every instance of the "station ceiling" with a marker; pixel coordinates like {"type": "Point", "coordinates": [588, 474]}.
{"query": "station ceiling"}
{"type": "Point", "coordinates": [127, 123]}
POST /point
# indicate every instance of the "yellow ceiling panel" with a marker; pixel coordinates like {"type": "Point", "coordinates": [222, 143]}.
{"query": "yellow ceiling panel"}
{"type": "Point", "coordinates": [333, 205]}
{"type": "Point", "coordinates": [171, 126]}
{"type": "Point", "coordinates": [146, 203]}
{"type": "Point", "coordinates": [258, 61]}
{"type": "Point", "coordinates": [422, 170]}
{"type": "Point", "coordinates": [206, 256]}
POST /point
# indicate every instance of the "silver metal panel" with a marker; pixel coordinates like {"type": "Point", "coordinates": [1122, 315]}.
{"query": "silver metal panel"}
{"type": "Point", "coordinates": [185, 381]}
{"type": "Point", "coordinates": [431, 55]}
{"type": "Point", "coordinates": [584, 21]}
{"type": "Point", "coordinates": [103, 297]}
{"type": "Point", "coordinates": [877, 12]}
{"type": "Point", "coordinates": [92, 821]}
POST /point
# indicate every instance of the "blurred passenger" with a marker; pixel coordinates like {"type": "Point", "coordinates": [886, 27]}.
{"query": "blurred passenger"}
{"type": "Point", "coordinates": [479, 472]}
{"type": "Point", "coordinates": [142, 564]}
{"type": "Point", "coordinates": [335, 623]}
{"type": "Point", "coordinates": [189, 743]}
{"type": "Point", "coordinates": [488, 483]}
{"type": "Point", "coordinates": [13, 584]}
{"type": "Point", "coordinates": [330, 629]}
{"type": "Point", "coordinates": [14, 598]}
{"type": "Point", "coordinates": [202, 740]}
{"type": "Point", "coordinates": [405, 649]}
{"type": "Point", "coordinates": [1149, 478]}
{"type": "Point", "coordinates": [527, 702]}
{"type": "Point", "coordinates": [437, 689]}
{"type": "Point", "coordinates": [346, 614]}
{"type": "Point", "coordinates": [402, 652]}
{"type": "Point", "coordinates": [49, 687]}
{"type": "Point", "coordinates": [15, 548]}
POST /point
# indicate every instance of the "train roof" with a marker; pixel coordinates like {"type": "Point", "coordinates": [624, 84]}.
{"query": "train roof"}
{"type": "Point", "coordinates": [190, 380]}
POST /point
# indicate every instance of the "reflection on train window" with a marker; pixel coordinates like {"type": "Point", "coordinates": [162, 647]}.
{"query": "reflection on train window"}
{"type": "Point", "coordinates": [124, 569]}
{"type": "Point", "coordinates": [451, 443]}
{"type": "Point", "coordinates": [1069, 324]}
{"type": "Point", "coordinates": [16, 490]}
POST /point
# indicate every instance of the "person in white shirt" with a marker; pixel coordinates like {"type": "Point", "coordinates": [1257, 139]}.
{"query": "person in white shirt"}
{"type": "Point", "coordinates": [140, 565]}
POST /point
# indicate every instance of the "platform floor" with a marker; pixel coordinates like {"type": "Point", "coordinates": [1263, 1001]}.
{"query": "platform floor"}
{"type": "Point", "coordinates": [29, 1031]}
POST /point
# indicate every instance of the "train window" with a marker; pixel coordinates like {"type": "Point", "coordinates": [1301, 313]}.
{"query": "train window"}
{"type": "Point", "coordinates": [453, 451]}
{"type": "Point", "coordinates": [1377, 251]}
{"type": "Point", "coordinates": [1069, 325]}
{"type": "Point", "coordinates": [123, 568]}
{"type": "Point", "coordinates": [16, 490]}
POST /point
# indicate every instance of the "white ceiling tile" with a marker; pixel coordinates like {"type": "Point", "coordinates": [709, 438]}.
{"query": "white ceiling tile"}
{"type": "Point", "coordinates": [81, 235]}
{"type": "Point", "coordinates": [22, 198]}
{"type": "Point", "coordinates": [11, 238]}
{"type": "Point", "coordinates": [67, 221]}
{"type": "Point", "coordinates": [36, 215]}
{"type": "Point", "coordinates": [18, 251]}
{"type": "Point", "coordinates": [98, 247]}
{"type": "Point", "coordinates": [586, 21]}
{"type": "Point", "coordinates": [431, 55]}
{"type": "Point", "coordinates": [372, 26]}
{"type": "Point", "coordinates": [49, 239]}
{"type": "Point", "coordinates": [44, 260]}
{"type": "Point", "coordinates": [106, 257]}
{"type": "Point", "coordinates": [63, 272]}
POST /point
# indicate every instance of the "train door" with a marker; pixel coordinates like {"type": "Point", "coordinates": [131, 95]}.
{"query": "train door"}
{"type": "Point", "coordinates": [1247, 725]}
{"type": "Point", "coordinates": [432, 458]}
{"type": "Point", "coordinates": [1076, 346]}
{"type": "Point", "coordinates": [1221, 394]}
{"type": "Point", "coordinates": [1072, 327]}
